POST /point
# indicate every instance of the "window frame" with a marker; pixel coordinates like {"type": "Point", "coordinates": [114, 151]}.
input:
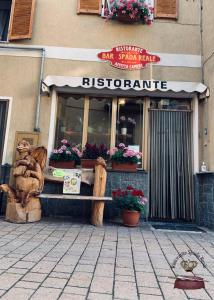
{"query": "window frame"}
{"type": "Point", "coordinates": [115, 99]}
{"type": "Point", "coordinates": [9, 101]}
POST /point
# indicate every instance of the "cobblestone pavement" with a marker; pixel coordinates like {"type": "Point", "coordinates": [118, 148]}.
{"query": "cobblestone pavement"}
{"type": "Point", "coordinates": [56, 259]}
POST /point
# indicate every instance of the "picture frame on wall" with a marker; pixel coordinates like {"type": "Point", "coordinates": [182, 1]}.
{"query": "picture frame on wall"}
{"type": "Point", "coordinates": [31, 137]}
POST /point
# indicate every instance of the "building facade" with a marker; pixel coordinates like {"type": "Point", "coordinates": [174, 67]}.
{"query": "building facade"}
{"type": "Point", "coordinates": [54, 85]}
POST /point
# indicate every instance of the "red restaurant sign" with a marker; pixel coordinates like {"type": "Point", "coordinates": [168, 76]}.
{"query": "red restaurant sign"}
{"type": "Point", "coordinates": [129, 57]}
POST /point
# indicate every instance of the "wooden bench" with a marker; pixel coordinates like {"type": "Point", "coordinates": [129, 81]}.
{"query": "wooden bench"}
{"type": "Point", "coordinates": [97, 208]}
{"type": "Point", "coordinates": [98, 197]}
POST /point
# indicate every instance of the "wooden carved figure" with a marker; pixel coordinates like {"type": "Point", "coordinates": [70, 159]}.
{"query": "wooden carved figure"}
{"type": "Point", "coordinates": [23, 205]}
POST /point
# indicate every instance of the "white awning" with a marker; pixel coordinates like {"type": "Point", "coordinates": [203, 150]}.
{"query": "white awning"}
{"type": "Point", "coordinates": [123, 84]}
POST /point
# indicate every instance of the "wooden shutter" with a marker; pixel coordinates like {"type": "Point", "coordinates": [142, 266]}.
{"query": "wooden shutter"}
{"type": "Point", "coordinates": [166, 9]}
{"type": "Point", "coordinates": [21, 20]}
{"type": "Point", "coordinates": [89, 6]}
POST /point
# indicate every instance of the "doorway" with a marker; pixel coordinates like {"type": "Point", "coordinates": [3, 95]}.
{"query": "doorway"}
{"type": "Point", "coordinates": [3, 122]}
{"type": "Point", "coordinates": [171, 175]}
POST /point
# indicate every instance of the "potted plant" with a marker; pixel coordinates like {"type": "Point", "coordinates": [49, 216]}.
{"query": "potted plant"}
{"type": "Point", "coordinates": [126, 125]}
{"type": "Point", "coordinates": [90, 154]}
{"type": "Point", "coordinates": [124, 159]}
{"type": "Point", "coordinates": [132, 203]}
{"type": "Point", "coordinates": [65, 157]}
{"type": "Point", "coordinates": [130, 11]}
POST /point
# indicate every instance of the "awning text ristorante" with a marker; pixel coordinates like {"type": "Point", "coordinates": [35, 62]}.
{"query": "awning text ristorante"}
{"type": "Point", "coordinates": [124, 83]}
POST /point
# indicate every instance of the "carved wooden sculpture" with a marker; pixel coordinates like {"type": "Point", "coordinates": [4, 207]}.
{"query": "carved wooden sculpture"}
{"type": "Point", "coordinates": [23, 205]}
{"type": "Point", "coordinates": [99, 191]}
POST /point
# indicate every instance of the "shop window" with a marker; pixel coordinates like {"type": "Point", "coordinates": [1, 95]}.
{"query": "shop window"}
{"type": "Point", "coordinates": [130, 122]}
{"type": "Point", "coordinates": [19, 14]}
{"type": "Point", "coordinates": [99, 123]}
{"type": "Point", "coordinates": [100, 120]}
{"type": "Point", "coordinates": [70, 116]}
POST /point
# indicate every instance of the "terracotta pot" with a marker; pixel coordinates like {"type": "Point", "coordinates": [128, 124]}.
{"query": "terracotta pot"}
{"type": "Point", "coordinates": [124, 167]}
{"type": "Point", "coordinates": [126, 18]}
{"type": "Point", "coordinates": [130, 218]}
{"type": "Point", "coordinates": [62, 164]}
{"type": "Point", "coordinates": [88, 163]}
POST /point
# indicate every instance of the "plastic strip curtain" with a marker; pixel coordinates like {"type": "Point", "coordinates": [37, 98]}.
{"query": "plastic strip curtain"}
{"type": "Point", "coordinates": [171, 177]}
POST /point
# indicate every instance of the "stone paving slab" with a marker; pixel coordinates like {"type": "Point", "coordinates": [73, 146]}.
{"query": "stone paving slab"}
{"type": "Point", "coordinates": [61, 259]}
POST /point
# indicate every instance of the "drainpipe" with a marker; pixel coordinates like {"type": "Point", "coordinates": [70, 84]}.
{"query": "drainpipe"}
{"type": "Point", "coordinates": [38, 103]}
{"type": "Point", "coordinates": [202, 46]}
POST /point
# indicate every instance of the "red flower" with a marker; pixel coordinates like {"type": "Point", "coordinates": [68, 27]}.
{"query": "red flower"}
{"type": "Point", "coordinates": [129, 187]}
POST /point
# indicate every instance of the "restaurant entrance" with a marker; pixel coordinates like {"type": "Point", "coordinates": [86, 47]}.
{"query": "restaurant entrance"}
{"type": "Point", "coordinates": [171, 174]}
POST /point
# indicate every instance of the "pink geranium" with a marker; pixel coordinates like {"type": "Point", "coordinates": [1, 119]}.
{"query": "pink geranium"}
{"type": "Point", "coordinates": [137, 10]}
{"type": "Point", "coordinates": [64, 141]}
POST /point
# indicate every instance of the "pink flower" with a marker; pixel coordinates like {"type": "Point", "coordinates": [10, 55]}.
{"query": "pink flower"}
{"type": "Point", "coordinates": [60, 151]}
{"type": "Point", "coordinates": [129, 153]}
{"type": "Point", "coordinates": [143, 200]}
{"type": "Point", "coordinates": [63, 148]}
{"type": "Point", "coordinates": [112, 151]}
{"type": "Point", "coordinates": [55, 151]}
{"type": "Point", "coordinates": [68, 152]}
{"type": "Point", "coordinates": [122, 146]}
{"type": "Point", "coordinates": [64, 141]}
{"type": "Point", "coordinates": [76, 150]}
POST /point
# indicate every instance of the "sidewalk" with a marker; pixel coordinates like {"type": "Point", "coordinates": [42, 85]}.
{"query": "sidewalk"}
{"type": "Point", "coordinates": [53, 259]}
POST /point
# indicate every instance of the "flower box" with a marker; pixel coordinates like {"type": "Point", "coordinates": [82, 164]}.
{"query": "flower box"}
{"type": "Point", "coordinates": [62, 164]}
{"type": "Point", "coordinates": [116, 166]}
{"type": "Point", "coordinates": [88, 163]}
{"type": "Point", "coordinates": [125, 18]}
{"type": "Point", "coordinates": [130, 11]}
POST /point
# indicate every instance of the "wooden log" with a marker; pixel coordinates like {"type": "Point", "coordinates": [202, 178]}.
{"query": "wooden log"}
{"type": "Point", "coordinates": [99, 191]}
{"type": "Point", "coordinates": [16, 213]}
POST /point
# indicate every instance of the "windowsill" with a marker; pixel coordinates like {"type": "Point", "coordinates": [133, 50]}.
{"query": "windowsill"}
{"type": "Point", "coordinates": [203, 173]}
{"type": "Point", "coordinates": [139, 170]}
{"type": "Point", "coordinates": [4, 42]}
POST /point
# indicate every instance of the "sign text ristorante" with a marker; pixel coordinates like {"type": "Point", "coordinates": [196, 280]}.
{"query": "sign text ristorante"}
{"type": "Point", "coordinates": [124, 84]}
{"type": "Point", "coordinates": [128, 57]}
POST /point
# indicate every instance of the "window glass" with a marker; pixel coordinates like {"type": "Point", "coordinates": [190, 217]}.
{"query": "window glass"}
{"type": "Point", "coordinates": [165, 103]}
{"type": "Point", "coordinates": [70, 119]}
{"type": "Point", "coordinates": [130, 122]}
{"type": "Point", "coordinates": [5, 7]}
{"type": "Point", "coordinates": [99, 123]}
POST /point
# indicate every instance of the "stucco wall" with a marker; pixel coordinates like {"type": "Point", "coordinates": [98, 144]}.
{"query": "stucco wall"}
{"type": "Point", "coordinates": [208, 64]}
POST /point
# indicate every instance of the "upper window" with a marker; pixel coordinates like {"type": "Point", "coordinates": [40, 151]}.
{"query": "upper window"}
{"type": "Point", "coordinates": [16, 19]}
{"type": "Point", "coordinates": [163, 8]}
{"type": "Point", "coordinates": [5, 8]}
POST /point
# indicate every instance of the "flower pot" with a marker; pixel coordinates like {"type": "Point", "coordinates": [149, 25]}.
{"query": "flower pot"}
{"type": "Point", "coordinates": [125, 18]}
{"type": "Point", "coordinates": [124, 131]}
{"type": "Point", "coordinates": [124, 167]}
{"type": "Point", "coordinates": [88, 163]}
{"type": "Point", "coordinates": [62, 164]}
{"type": "Point", "coordinates": [130, 218]}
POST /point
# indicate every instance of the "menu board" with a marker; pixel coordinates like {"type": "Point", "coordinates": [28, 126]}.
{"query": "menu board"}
{"type": "Point", "coordinates": [72, 181]}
